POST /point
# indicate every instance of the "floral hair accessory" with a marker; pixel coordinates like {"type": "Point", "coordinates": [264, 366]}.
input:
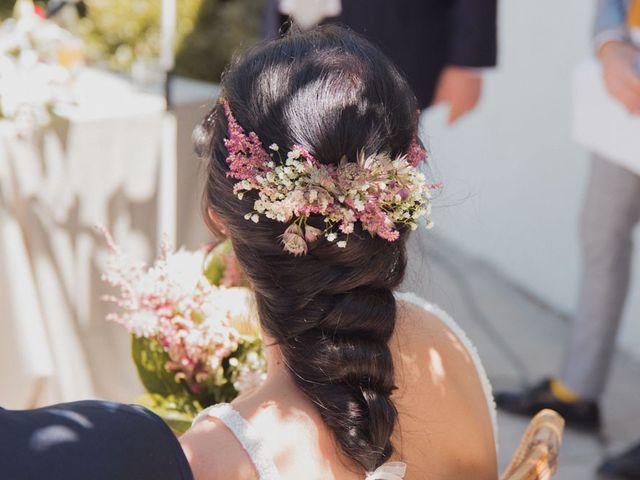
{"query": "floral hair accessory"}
{"type": "Point", "coordinates": [378, 191]}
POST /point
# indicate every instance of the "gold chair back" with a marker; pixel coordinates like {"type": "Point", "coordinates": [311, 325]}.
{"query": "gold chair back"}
{"type": "Point", "coordinates": [536, 458]}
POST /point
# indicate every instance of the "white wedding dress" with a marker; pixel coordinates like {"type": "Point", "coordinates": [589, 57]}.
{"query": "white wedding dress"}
{"type": "Point", "coordinates": [265, 465]}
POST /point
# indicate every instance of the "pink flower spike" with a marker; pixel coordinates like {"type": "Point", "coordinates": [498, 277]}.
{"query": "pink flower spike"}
{"type": "Point", "coordinates": [416, 154]}
{"type": "Point", "coordinates": [247, 158]}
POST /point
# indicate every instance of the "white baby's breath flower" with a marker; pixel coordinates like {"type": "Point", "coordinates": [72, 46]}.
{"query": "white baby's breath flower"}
{"type": "Point", "coordinates": [331, 236]}
{"type": "Point", "coordinates": [143, 323]}
{"type": "Point", "coordinates": [184, 268]}
{"type": "Point", "coordinates": [274, 147]}
{"type": "Point", "coordinates": [342, 244]}
{"type": "Point", "coordinates": [348, 228]}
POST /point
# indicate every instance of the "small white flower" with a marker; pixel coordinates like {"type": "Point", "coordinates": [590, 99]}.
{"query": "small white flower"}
{"type": "Point", "coordinates": [274, 147]}
{"type": "Point", "coordinates": [255, 218]}
{"type": "Point", "coordinates": [342, 244]}
{"type": "Point", "coordinates": [294, 154]}
{"type": "Point", "coordinates": [184, 268]}
{"type": "Point", "coordinates": [331, 236]}
{"type": "Point", "coordinates": [143, 323]}
{"type": "Point", "coordinates": [247, 216]}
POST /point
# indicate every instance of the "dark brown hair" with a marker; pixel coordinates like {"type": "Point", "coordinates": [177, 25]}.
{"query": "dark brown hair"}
{"type": "Point", "coordinates": [331, 311]}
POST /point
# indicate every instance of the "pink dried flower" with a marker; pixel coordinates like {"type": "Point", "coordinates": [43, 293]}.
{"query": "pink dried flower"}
{"type": "Point", "coordinates": [247, 158]}
{"type": "Point", "coordinates": [293, 240]}
{"type": "Point", "coordinates": [311, 234]}
{"type": "Point", "coordinates": [416, 154]}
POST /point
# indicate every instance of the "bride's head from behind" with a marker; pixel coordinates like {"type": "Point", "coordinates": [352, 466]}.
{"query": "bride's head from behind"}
{"type": "Point", "coordinates": [311, 160]}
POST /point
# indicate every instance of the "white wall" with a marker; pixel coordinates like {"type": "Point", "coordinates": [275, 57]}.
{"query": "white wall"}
{"type": "Point", "coordinates": [514, 177]}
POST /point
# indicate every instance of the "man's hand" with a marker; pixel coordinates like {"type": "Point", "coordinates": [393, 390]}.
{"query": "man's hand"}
{"type": "Point", "coordinates": [460, 88]}
{"type": "Point", "coordinates": [620, 76]}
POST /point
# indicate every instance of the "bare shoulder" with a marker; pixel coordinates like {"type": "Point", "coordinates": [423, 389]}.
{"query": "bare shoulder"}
{"type": "Point", "coordinates": [421, 326]}
{"type": "Point", "coordinates": [445, 424]}
{"type": "Point", "coordinates": [427, 350]}
{"type": "Point", "coordinates": [214, 453]}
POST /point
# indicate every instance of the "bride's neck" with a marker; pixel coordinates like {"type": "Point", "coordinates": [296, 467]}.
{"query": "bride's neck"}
{"type": "Point", "coordinates": [279, 384]}
{"type": "Point", "coordinates": [277, 371]}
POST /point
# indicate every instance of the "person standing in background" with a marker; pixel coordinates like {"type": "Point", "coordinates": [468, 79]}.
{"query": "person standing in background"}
{"type": "Point", "coordinates": [611, 210]}
{"type": "Point", "coordinates": [440, 45]}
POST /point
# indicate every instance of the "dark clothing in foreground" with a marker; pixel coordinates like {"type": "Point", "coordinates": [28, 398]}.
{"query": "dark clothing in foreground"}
{"type": "Point", "coordinates": [89, 440]}
{"type": "Point", "coordinates": [420, 36]}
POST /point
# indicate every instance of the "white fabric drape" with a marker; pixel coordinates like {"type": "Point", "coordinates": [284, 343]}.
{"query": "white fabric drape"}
{"type": "Point", "coordinates": [96, 167]}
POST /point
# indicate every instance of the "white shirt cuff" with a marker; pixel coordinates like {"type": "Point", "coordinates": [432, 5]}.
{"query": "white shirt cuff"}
{"type": "Point", "coordinates": [614, 35]}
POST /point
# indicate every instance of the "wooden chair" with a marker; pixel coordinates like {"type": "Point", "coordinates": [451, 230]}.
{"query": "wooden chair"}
{"type": "Point", "coordinates": [536, 457]}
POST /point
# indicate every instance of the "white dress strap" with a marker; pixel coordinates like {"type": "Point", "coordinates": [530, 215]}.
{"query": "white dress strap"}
{"type": "Point", "coordinates": [251, 443]}
{"type": "Point", "coordinates": [388, 471]}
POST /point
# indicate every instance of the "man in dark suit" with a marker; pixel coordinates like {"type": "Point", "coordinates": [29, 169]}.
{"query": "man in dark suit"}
{"type": "Point", "coordinates": [92, 439]}
{"type": "Point", "coordinates": [440, 45]}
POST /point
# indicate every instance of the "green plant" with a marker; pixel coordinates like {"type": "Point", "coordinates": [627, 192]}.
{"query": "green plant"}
{"type": "Point", "coordinates": [222, 29]}
{"type": "Point", "coordinates": [119, 31]}
{"type": "Point", "coordinates": [6, 8]}
{"type": "Point", "coordinates": [208, 32]}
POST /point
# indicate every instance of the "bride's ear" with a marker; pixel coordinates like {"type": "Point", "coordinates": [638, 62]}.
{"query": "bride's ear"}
{"type": "Point", "coordinates": [216, 223]}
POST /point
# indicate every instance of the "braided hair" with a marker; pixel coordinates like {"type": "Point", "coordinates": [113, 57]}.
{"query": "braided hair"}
{"type": "Point", "coordinates": [332, 311]}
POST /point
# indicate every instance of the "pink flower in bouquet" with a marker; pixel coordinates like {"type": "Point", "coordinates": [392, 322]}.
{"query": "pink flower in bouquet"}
{"type": "Point", "coordinates": [174, 304]}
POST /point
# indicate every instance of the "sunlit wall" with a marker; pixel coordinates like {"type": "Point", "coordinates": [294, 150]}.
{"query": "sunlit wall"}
{"type": "Point", "coordinates": [514, 177]}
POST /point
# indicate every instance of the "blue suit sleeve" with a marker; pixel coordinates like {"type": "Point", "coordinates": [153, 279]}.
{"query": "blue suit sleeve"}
{"type": "Point", "coordinates": [610, 20]}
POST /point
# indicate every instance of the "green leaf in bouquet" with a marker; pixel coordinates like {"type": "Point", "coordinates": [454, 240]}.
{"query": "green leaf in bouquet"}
{"type": "Point", "coordinates": [177, 412]}
{"type": "Point", "coordinates": [216, 262]}
{"type": "Point", "coordinates": [151, 359]}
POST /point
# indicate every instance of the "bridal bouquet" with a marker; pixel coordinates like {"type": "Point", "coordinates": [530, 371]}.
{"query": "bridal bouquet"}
{"type": "Point", "coordinates": [195, 340]}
